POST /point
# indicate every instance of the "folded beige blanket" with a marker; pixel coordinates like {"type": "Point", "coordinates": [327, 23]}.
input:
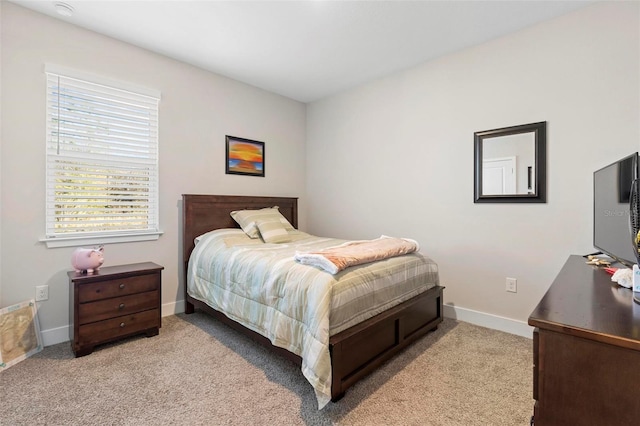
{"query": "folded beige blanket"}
{"type": "Point", "coordinates": [338, 258]}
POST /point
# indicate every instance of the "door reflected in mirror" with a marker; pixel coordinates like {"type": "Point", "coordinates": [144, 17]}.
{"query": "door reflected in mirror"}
{"type": "Point", "coordinates": [510, 164]}
{"type": "Point", "coordinates": [506, 161]}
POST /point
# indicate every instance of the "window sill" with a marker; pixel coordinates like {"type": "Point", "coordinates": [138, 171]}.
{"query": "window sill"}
{"type": "Point", "coordinates": [95, 240]}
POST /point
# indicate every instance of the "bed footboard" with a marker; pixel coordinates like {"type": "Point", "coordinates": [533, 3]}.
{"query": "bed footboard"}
{"type": "Point", "coordinates": [361, 349]}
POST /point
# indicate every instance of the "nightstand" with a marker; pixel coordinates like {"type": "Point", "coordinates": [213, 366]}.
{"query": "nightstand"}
{"type": "Point", "coordinates": [112, 303]}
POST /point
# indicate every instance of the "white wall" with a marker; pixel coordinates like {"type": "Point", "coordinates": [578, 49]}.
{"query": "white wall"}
{"type": "Point", "coordinates": [395, 156]}
{"type": "Point", "coordinates": [197, 110]}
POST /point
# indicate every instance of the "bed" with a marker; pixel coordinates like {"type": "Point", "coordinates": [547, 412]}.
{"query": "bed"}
{"type": "Point", "coordinates": [354, 350]}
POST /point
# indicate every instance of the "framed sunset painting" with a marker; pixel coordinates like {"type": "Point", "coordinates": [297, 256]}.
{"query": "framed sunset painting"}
{"type": "Point", "coordinates": [244, 157]}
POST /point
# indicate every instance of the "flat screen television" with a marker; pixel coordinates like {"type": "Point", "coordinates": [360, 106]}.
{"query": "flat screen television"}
{"type": "Point", "coordinates": [611, 213]}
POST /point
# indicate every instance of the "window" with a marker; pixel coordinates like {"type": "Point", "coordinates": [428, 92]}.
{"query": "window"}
{"type": "Point", "coordinates": [102, 161]}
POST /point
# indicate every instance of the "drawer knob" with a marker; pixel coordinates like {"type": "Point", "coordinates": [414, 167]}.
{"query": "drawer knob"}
{"type": "Point", "coordinates": [121, 306]}
{"type": "Point", "coordinates": [121, 325]}
{"type": "Point", "coordinates": [121, 286]}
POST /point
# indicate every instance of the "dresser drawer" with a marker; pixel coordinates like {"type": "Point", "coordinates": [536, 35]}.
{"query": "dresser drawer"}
{"type": "Point", "coordinates": [102, 331]}
{"type": "Point", "coordinates": [117, 306]}
{"type": "Point", "coordinates": [117, 287]}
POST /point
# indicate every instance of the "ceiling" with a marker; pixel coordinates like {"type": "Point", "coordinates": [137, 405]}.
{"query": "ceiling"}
{"type": "Point", "coordinates": [306, 49]}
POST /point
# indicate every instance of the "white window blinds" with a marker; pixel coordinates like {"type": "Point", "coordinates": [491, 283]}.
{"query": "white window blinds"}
{"type": "Point", "coordinates": [102, 159]}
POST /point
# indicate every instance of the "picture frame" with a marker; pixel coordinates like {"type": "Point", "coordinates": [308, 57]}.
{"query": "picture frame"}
{"type": "Point", "coordinates": [19, 333]}
{"type": "Point", "coordinates": [244, 157]}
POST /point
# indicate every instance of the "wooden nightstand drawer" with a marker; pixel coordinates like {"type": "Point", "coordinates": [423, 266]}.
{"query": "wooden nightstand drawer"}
{"type": "Point", "coordinates": [102, 331]}
{"type": "Point", "coordinates": [117, 287]}
{"type": "Point", "coordinates": [117, 306]}
{"type": "Point", "coordinates": [114, 302]}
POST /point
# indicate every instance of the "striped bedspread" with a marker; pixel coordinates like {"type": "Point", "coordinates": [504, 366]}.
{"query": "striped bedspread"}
{"type": "Point", "coordinates": [297, 306]}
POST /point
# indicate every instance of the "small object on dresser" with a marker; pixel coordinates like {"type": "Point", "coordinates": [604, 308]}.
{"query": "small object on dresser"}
{"type": "Point", "coordinates": [623, 277]}
{"type": "Point", "coordinates": [636, 283]}
{"type": "Point", "coordinates": [636, 279]}
{"type": "Point", "coordinates": [597, 261]}
{"type": "Point", "coordinates": [87, 260]}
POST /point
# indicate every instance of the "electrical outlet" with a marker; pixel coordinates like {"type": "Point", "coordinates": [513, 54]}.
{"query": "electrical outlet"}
{"type": "Point", "coordinates": [512, 285]}
{"type": "Point", "coordinates": [42, 293]}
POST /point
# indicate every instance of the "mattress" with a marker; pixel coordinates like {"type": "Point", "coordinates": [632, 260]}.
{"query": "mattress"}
{"type": "Point", "coordinates": [298, 307]}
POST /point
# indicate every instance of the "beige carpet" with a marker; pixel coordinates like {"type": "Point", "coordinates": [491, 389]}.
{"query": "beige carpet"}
{"type": "Point", "coordinates": [200, 372]}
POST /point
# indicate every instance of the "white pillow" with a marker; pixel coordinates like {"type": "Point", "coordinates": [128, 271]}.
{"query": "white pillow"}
{"type": "Point", "coordinates": [247, 219]}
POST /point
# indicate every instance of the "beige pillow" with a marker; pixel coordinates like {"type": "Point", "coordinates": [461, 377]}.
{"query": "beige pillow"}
{"type": "Point", "coordinates": [247, 219]}
{"type": "Point", "coordinates": [273, 231]}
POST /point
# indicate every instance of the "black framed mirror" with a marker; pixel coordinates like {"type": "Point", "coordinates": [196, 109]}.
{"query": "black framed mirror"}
{"type": "Point", "coordinates": [511, 164]}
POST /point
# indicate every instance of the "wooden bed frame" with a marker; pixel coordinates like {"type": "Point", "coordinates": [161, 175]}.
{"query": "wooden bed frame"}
{"type": "Point", "coordinates": [356, 351]}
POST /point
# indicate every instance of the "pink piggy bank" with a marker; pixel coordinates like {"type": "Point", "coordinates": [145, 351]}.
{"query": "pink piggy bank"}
{"type": "Point", "coordinates": [87, 260]}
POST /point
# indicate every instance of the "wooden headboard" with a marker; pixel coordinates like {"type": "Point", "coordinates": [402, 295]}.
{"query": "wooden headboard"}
{"type": "Point", "coordinates": [204, 213]}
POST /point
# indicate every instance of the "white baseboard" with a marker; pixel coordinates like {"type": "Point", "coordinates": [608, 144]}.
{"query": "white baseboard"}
{"type": "Point", "coordinates": [494, 322]}
{"type": "Point", "coordinates": [172, 308]}
{"type": "Point", "coordinates": [53, 336]}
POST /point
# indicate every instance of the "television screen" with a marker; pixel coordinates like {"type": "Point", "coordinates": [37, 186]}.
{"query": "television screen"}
{"type": "Point", "coordinates": [611, 190]}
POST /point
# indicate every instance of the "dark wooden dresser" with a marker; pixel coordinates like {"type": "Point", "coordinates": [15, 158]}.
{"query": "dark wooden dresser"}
{"type": "Point", "coordinates": [586, 346]}
{"type": "Point", "coordinates": [114, 302]}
